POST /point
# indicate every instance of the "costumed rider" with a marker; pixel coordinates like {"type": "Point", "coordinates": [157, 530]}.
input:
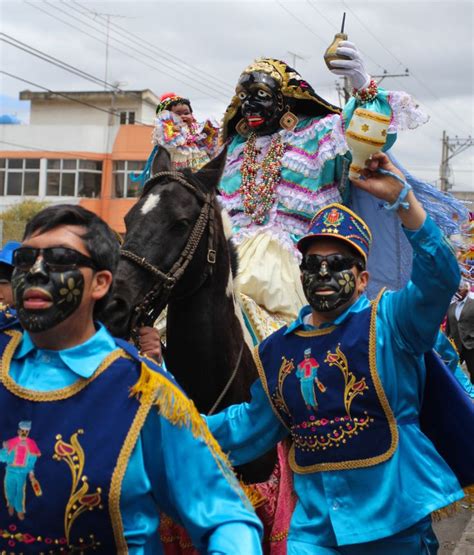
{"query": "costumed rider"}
{"type": "Point", "coordinates": [190, 144]}
{"type": "Point", "coordinates": [362, 486]}
{"type": "Point", "coordinates": [94, 435]}
{"type": "Point", "coordinates": [288, 158]}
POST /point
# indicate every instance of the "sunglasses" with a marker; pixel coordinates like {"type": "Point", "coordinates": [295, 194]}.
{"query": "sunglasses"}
{"type": "Point", "coordinates": [335, 262]}
{"type": "Point", "coordinates": [56, 258]}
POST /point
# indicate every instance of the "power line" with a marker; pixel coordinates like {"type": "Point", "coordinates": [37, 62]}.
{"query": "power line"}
{"type": "Point", "coordinates": [167, 55]}
{"type": "Point", "coordinates": [320, 13]}
{"type": "Point", "coordinates": [398, 60]}
{"type": "Point", "coordinates": [141, 51]}
{"type": "Point", "coordinates": [12, 41]}
{"type": "Point", "coordinates": [110, 112]}
{"type": "Point", "coordinates": [206, 92]}
{"type": "Point", "coordinates": [300, 21]}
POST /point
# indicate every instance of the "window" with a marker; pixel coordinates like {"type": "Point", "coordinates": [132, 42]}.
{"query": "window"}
{"type": "Point", "coordinates": [19, 176]}
{"type": "Point", "coordinates": [123, 186]}
{"type": "Point", "coordinates": [127, 117]}
{"type": "Point", "coordinates": [73, 178]}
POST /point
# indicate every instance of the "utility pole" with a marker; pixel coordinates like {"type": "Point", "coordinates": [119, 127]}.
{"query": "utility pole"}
{"type": "Point", "coordinates": [345, 89]}
{"type": "Point", "coordinates": [107, 17]}
{"type": "Point", "coordinates": [449, 149]}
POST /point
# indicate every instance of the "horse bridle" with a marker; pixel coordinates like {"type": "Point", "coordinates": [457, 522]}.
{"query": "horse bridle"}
{"type": "Point", "coordinates": [157, 298]}
{"type": "Point", "coordinates": [146, 312]}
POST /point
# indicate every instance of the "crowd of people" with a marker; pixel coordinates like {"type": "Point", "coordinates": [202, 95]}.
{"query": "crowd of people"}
{"type": "Point", "coordinates": [98, 438]}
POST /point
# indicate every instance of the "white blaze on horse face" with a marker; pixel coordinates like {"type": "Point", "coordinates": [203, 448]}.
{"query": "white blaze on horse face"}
{"type": "Point", "coordinates": [227, 224]}
{"type": "Point", "coordinates": [150, 203]}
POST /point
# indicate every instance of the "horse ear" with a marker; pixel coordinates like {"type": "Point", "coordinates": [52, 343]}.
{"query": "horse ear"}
{"type": "Point", "coordinates": [161, 161]}
{"type": "Point", "coordinates": [210, 174]}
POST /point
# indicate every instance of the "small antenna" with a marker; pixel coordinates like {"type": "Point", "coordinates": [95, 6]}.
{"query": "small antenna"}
{"type": "Point", "coordinates": [343, 22]}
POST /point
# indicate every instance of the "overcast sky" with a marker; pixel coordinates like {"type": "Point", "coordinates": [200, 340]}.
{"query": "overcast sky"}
{"type": "Point", "coordinates": [198, 49]}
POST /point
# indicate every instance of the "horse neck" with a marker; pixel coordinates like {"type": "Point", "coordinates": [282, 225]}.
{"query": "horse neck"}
{"type": "Point", "coordinates": [204, 342]}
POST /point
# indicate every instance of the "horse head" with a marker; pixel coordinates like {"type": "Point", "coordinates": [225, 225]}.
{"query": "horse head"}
{"type": "Point", "coordinates": [169, 231]}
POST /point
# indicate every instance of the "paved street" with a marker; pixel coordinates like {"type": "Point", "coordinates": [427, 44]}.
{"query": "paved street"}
{"type": "Point", "coordinates": [456, 533]}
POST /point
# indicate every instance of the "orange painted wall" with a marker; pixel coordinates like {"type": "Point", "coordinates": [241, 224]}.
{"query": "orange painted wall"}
{"type": "Point", "coordinates": [133, 142]}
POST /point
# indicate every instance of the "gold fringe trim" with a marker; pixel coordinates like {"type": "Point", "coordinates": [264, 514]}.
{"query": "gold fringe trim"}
{"type": "Point", "coordinates": [180, 411]}
{"type": "Point", "coordinates": [466, 502]}
{"type": "Point", "coordinates": [253, 495]}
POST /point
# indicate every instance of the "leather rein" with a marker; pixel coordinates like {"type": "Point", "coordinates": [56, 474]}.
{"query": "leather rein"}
{"type": "Point", "coordinates": [153, 303]}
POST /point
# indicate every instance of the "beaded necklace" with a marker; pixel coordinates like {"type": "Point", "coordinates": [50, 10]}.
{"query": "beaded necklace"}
{"type": "Point", "coordinates": [258, 198]}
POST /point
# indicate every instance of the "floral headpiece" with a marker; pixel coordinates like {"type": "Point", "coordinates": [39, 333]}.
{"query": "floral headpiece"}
{"type": "Point", "coordinates": [167, 100]}
{"type": "Point", "coordinates": [292, 86]}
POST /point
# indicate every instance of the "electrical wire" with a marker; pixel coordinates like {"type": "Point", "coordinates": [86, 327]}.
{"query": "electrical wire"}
{"type": "Point", "coordinates": [164, 53]}
{"type": "Point", "coordinates": [126, 53]}
{"type": "Point", "coordinates": [300, 21]}
{"type": "Point", "coordinates": [110, 112]}
{"type": "Point", "coordinates": [141, 51]}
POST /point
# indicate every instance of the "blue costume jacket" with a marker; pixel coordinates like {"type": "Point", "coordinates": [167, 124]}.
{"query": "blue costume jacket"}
{"type": "Point", "coordinates": [111, 478]}
{"type": "Point", "coordinates": [341, 507]}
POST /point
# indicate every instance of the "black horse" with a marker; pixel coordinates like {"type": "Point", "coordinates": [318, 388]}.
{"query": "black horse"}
{"type": "Point", "coordinates": [177, 252]}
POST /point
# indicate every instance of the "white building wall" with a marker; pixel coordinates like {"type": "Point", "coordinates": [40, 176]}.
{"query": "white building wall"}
{"type": "Point", "coordinates": [58, 138]}
{"type": "Point", "coordinates": [73, 113]}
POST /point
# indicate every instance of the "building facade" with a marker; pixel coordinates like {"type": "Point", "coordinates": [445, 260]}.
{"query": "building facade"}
{"type": "Point", "coordinates": [82, 149]}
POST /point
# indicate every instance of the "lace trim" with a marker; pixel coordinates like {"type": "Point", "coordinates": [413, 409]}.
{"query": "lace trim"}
{"type": "Point", "coordinates": [406, 113]}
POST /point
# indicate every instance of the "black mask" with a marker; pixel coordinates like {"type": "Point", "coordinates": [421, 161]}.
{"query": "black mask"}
{"type": "Point", "coordinates": [261, 102]}
{"type": "Point", "coordinates": [333, 272]}
{"type": "Point", "coordinates": [64, 288]}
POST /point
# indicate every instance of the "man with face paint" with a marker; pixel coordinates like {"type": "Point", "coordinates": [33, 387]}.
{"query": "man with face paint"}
{"type": "Point", "coordinates": [110, 427]}
{"type": "Point", "coordinates": [362, 487]}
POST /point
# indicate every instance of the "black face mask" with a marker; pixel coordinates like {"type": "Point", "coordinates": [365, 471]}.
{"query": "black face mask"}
{"type": "Point", "coordinates": [261, 102]}
{"type": "Point", "coordinates": [65, 289]}
{"type": "Point", "coordinates": [333, 272]}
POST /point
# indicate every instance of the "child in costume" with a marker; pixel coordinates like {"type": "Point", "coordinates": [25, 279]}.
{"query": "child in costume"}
{"type": "Point", "coordinates": [362, 486]}
{"type": "Point", "coordinates": [110, 435]}
{"type": "Point", "coordinates": [190, 144]}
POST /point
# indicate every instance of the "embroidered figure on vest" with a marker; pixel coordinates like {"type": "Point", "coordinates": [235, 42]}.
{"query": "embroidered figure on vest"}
{"type": "Point", "coordinates": [352, 387]}
{"type": "Point", "coordinates": [19, 454]}
{"type": "Point", "coordinates": [307, 373]}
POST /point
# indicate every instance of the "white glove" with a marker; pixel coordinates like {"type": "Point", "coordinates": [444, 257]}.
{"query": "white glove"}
{"type": "Point", "coordinates": [353, 68]}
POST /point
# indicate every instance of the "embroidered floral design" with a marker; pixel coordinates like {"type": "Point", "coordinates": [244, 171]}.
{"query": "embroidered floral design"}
{"type": "Point", "coordinates": [352, 386]}
{"type": "Point", "coordinates": [346, 428]}
{"type": "Point", "coordinates": [80, 499]}
{"type": "Point", "coordinates": [287, 366]}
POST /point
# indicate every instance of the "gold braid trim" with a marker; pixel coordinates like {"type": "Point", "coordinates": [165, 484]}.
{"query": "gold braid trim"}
{"type": "Point", "coordinates": [155, 389]}
{"type": "Point", "coordinates": [55, 394]}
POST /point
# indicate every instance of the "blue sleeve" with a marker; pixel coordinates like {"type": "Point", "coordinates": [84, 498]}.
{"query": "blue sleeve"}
{"type": "Point", "coordinates": [190, 487]}
{"type": "Point", "coordinates": [450, 357]}
{"type": "Point", "coordinates": [248, 430]}
{"type": "Point", "coordinates": [416, 311]}
{"type": "Point", "coordinates": [446, 351]}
